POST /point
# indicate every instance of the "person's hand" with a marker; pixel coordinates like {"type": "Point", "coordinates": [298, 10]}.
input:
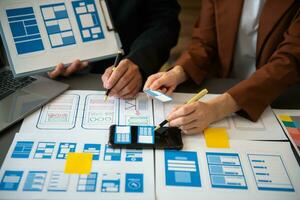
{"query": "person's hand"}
{"type": "Point", "coordinates": [166, 82]}
{"type": "Point", "coordinates": [125, 81]}
{"type": "Point", "coordinates": [60, 70]}
{"type": "Point", "coordinates": [195, 117]}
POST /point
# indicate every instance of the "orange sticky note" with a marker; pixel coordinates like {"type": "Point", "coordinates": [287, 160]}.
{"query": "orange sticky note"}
{"type": "Point", "coordinates": [78, 163]}
{"type": "Point", "coordinates": [216, 138]}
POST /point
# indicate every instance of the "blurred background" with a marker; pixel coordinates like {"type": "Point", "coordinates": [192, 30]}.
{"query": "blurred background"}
{"type": "Point", "coordinates": [190, 10]}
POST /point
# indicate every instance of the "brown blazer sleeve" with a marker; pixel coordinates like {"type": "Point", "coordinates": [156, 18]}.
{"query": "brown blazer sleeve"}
{"type": "Point", "coordinates": [196, 60]}
{"type": "Point", "coordinates": [282, 70]}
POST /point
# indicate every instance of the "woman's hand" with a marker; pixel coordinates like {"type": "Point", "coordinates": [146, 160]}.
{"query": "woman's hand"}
{"type": "Point", "coordinates": [193, 118]}
{"type": "Point", "coordinates": [166, 81]}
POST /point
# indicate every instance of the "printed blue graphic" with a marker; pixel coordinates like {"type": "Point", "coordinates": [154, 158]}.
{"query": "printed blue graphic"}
{"type": "Point", "coordinates": [58, 25]}
{"type": "Point", "coordinates": [44, 150]}
{"type": "Point", "coordinates": [181, 168]}
{"type": "Point", "coordinates": [134, 183]}
{"type": "Point", "coordinates": [122, 135]}
{"type": "Point", "coordinates": [146, 134]}
{"type": "Point", "coordinates": [94, 149]}
{"type": "Point", "coordinates": [59, 182]}
{"type": "Point", "coordinates": [225, 171]}
{"type": "Point", "coordinates": [111, 154]}
{"type": "Point", "coordinates": [134, 155]}
{"type": "Point", "coordinates": [35, 181]}
{"type": "Point", "coordinates": [64, 149]}
{"type": "Point", "coordinates": [111, 183]}
{"type": "Point", "coordinates": [87, 183]}
{"type": "Point", "coordinates": [24, 30]}
{"type": "Point", "coordinates": [88, 20]}
{"type": "Point", "coordinates": [11, 180]}
{"type": "Point", "coordinates": [22, 149]}
{"type": "Point", "coordinates": [270, 173]}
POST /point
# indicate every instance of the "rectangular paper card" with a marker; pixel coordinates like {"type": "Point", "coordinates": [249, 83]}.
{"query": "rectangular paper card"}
{"type": "Point", "coordinates": [158, 95]}
{"type": "Point", "coordinates": [37, 35]}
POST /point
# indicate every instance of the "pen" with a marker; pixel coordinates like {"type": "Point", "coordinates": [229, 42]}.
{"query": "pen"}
{"type": "Point", "coordinates": [117, 60]}
{"type": "Point", "coordinates": [195, 98]}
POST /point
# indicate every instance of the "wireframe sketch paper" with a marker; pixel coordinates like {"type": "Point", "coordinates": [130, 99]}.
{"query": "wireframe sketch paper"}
{"type": "Point", "coordinates": [79, 110]}
{"type": "Point", "coordinates": [38, 35]}
{"type": "Point", "coordinates": [86, 111]}
{"type": "Point", "coordinates": [37, 166]}
{"type": "Point", "coordinates": [246, 170]}
{"type": "Point", "coordinates": [290, 122]}
{"type": "Point", "coordinates": [266, 128]}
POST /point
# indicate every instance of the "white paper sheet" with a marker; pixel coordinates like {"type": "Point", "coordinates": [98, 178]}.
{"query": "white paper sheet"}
{"type": "Point", "coordinates": [247, 170]}
{"type": "Point", "coordinates": [79, 110]}
{"type": "Point", "coordinates": [34, 169]}
{"type": "Point", "coordinates": [266, 128]}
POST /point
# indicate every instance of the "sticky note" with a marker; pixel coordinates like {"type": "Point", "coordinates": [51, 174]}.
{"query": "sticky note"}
{"type": "Point", "coordinates": [285, 118]}
{"type": "Point", "coordinates": [78, 163]}
{"type": "Point", "coordinates": [216, 138]}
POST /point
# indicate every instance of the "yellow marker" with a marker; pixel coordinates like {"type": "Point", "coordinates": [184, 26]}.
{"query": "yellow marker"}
{"type": "Point", "coordinates": [78, 163]}
{"type": "Point", "coordinates": [285, 118]}
{"type": "Point", "coordinates": [195, 98]}
{"type": "Point", "coordinates": [216, 138]}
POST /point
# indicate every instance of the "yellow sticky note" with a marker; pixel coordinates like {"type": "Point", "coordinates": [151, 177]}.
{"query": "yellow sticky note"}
{"type": "Point", "coordinates": [78, 163]}
{"type": "Point", "coordinates": [285, 118]}
{"type": "Point", "coordinates": [216, 138]}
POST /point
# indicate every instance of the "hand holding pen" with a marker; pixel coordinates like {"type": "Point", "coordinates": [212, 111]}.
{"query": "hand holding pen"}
{"type": "Point", "coordinates": [124, 80]}
{"type": "Point", "coordinates": [186, 111]}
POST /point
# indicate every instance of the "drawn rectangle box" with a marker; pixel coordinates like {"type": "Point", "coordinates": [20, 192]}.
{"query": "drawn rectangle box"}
{"type": "Point", "coordinates": [24, 29]}
{"type": "Point", "coordinates": [98, 114]}
{"type": "Point", "coordinates": [225, 170]}
{"type": "Point", "coordinates": [270, 173]}
{"type": "Point", "coordinates": [35, 181]}
{"type": "Point", "coordinates": [60, 114]}
{"type": "Point", "coordinates": [22, 149]}
{"type": "Point", "coordinates": [11, 180]}
{"type": "Point", "coordinates": [57, 23]}
{"type": "Point", "coordinates": [181, 169]}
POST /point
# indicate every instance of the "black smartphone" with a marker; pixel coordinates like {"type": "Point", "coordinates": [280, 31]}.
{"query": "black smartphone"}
{"type": "Point", "coordinates": [134, 137]}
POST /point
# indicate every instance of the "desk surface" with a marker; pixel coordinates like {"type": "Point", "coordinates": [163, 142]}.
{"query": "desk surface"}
{"type": "Point", "coordinates": [290, 99]}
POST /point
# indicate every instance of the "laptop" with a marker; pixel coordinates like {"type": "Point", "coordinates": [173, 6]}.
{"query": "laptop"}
{"type": "Point", "coordinates": [21, 96]}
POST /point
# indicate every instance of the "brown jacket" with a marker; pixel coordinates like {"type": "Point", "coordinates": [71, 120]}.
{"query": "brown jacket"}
{"type": "Point", "coordinates": [277, 54]}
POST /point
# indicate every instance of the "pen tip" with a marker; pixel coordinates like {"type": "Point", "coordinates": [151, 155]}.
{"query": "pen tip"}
{"type": "Point", "coordinates": [105, 98]}
{"type": "Point", "coordinates": [156, 128]}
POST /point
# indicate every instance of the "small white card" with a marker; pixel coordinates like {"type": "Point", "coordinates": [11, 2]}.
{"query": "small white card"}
{"type": "Point", "coordinates": [158, 95]}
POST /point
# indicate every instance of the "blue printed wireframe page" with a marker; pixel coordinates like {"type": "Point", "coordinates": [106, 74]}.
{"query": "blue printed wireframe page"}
{"type": "Point", "coordinates": [38, 35]}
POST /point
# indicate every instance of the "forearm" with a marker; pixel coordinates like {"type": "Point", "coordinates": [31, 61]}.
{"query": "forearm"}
{"type": "Point", "coordinates": [223, 105]}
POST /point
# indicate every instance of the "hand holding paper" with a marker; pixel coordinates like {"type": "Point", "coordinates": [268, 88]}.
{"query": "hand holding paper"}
{"type": "Point", "coordinates": [166, 82]}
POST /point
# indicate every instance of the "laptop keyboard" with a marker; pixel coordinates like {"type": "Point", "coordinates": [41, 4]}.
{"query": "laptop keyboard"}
{"type": "Point", "coordinates": [9, 84]}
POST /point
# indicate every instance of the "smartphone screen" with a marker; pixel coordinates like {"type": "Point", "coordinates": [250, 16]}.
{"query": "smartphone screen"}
{"type": "Point", "coordinates": [145, 137]}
